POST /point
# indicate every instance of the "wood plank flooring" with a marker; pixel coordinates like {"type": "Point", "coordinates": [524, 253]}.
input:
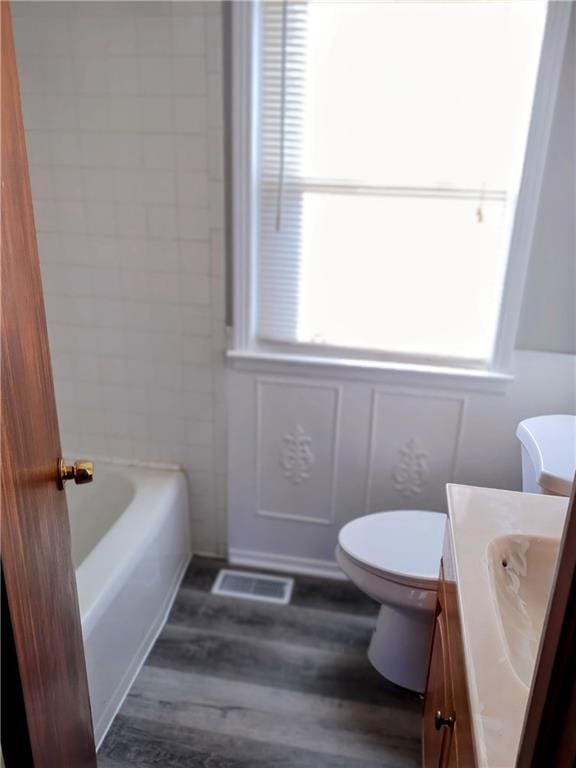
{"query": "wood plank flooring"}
{"type": "Point", "coordinates": [241, 684]}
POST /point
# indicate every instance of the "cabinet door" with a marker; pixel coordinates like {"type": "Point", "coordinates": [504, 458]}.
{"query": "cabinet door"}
{"type": "Point", "coordinates": [436, 741]}
{"type": "Point", "coordinates": [462, 744]}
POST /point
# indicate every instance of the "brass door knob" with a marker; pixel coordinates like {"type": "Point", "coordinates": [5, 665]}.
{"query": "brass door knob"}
{"type": "Point", "coordinates": [81, 472]}
{"type": "Point", "coordinates": [441, 720]}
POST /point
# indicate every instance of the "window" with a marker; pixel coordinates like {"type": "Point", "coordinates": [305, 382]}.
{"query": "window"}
{"type": "Point", "coordinates": [388, 143]}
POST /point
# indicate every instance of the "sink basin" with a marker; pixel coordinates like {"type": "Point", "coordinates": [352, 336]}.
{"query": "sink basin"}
{"type": "Point", "coordinates": [522, 569]}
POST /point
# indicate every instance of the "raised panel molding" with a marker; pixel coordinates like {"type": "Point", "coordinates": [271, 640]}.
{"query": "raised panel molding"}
{"type": "Point", "coordinates": [414, 442]}
{"type": "Point", "coordinates": [363, 458]}
{"type": "Point", "coordinates": [297, 438]}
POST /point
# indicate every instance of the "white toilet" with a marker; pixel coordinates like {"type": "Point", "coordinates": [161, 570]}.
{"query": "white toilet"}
{"type": "Point", "coordinates": [548, 454]}
{"type": "Point", "coordinates": [394, 557]}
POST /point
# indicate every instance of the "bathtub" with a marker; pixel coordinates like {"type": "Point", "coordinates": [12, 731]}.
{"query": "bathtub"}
{"type": "Point", "coordinates": [130, 547]}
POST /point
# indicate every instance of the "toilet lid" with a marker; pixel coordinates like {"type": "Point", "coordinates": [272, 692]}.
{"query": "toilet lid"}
{"type": "Point", "coordinates": [404, 544]}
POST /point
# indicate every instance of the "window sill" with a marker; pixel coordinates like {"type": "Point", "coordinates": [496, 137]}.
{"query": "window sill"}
{"type": "Point", "coordinates": [370, 371]}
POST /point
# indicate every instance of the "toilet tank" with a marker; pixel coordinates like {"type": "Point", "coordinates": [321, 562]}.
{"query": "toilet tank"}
{"type": "Point", "coordinates": [548, 454]}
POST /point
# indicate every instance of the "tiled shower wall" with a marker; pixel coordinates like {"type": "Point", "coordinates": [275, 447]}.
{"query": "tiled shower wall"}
{"type": "Point", "coordinates": [123, 115]}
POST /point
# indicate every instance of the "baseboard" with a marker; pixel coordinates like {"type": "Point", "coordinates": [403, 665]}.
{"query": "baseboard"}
{"type": "Point", "coordinates": [286, 564]}
{"type": "Point", "coordinates": [102, 727]}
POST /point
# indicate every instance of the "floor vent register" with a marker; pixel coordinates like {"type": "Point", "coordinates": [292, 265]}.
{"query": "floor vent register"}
{"type": "Point", "coordinates": [253, 586]}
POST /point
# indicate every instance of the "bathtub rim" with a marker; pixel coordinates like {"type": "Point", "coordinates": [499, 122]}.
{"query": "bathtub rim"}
{"type": "Point", "coordinates": [156, 495]}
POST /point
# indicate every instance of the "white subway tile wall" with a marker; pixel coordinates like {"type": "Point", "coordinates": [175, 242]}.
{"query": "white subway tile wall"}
{"type": "Point", "coordinates": [123, 114]}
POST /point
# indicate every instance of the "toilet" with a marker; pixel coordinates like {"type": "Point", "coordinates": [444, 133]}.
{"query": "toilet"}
{"type": "Point", "coordinates": [548, 454]}
{"type": "Point", "coordinates": [394, 556]}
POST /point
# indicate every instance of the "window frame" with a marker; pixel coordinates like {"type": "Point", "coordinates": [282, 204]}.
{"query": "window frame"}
{"type": "Point", "coordinates": [248, 352]}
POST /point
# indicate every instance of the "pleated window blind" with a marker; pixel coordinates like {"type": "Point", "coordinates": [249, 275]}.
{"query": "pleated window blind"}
{"type": "Point", "coordinates": [387, 162]}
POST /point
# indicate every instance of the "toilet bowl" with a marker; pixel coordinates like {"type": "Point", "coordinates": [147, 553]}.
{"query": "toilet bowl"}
{"type": "Point", "coordinates": [394, 557]}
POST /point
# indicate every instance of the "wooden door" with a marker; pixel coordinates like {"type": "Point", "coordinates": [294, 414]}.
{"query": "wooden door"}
{"type": "Point", "coordinates": [46, 719]}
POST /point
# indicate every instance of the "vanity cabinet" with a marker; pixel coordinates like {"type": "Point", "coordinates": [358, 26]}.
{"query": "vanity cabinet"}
{"type": "Point", "coordinates": [446, 727]}
{"type": "Point", "coordinates": [436, 741]}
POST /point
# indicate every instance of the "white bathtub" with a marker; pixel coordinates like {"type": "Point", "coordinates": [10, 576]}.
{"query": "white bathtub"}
{"type": "Point", "coordinates": [130, 546]}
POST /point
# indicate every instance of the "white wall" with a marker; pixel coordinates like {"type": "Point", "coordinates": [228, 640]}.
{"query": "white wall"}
{"type": "Point", "coordinates": [548, 319]}
{"type": "Point", "coordinates": [308, 453]}
{"type": "Point", "coordinates": [123, 115]}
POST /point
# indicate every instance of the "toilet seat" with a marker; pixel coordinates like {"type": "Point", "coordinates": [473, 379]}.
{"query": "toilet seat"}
{"type": "Point", "coordinates": [404, 546]}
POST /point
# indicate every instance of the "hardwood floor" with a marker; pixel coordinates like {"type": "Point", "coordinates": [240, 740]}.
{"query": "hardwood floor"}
{"type": "Point", "coordinates": [240, 684]}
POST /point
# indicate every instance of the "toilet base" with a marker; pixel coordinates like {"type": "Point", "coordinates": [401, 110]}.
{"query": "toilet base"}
{"type": "Point", "coordinates": [400, 646]}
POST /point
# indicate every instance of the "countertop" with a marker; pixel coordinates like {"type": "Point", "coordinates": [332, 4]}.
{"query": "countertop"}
{"type": "Point", "coordinates": [498, 697]}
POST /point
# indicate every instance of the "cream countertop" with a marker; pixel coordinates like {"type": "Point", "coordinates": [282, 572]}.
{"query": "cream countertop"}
{"type": "Point", "coordinates": [498, 697]}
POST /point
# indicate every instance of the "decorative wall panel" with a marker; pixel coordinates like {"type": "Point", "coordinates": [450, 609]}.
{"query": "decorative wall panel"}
{"type": "Point", "coordinates": [414, 442]}
{"type": "Point", "coordinates": [306, 454]}
{"type": "Point", "coordinates": [297, 429]}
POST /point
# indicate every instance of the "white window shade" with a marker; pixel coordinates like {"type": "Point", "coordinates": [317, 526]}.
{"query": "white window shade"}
{"type": "Point", "coordinates": [284, 75]}
{"type": "Point", "coordinates": [388, 165]}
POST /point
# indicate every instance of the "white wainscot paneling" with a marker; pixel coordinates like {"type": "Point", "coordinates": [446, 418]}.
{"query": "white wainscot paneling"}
{"type": "Point", "coordinates": [414, 442]}
{"type": "Point", "coordinates": [296, 450]}
{"type": "Point", "coordinates": [307, 455]}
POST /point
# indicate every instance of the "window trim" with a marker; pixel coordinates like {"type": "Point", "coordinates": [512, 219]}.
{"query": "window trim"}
{"type": "Point", "coordinates": [248, 353]}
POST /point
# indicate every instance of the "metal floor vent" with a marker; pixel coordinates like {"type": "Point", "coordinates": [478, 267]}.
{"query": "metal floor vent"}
{"type": "Point", "coordinates": [253, 586]}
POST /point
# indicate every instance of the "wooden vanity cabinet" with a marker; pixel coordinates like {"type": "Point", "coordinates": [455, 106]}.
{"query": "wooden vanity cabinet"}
{"type": "Point", "coordinates": [436, 742]}
{"type": "Point", "coordinates": [446, 727]}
